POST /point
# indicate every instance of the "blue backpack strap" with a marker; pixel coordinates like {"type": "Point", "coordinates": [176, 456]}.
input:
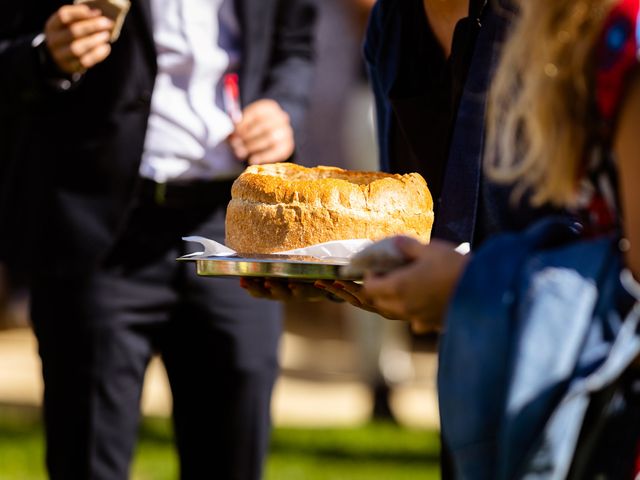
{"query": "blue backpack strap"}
{"type": "Point", "coordinates": [582, 430]}
{"type": "Point", "coordinates": [475, 349]}
{"type": "Point", "coordinates": [558, 338]}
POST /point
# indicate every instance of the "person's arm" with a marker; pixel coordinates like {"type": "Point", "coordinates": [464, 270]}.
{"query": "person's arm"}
{"type": "Point", "coordinates": [292, 62]}
{"type": "Point", "coordinates": [20, 73]}
{"type": "Point", "coordinates": [627, 151]}
{"type": "Point", "coordinates": [36, 58]}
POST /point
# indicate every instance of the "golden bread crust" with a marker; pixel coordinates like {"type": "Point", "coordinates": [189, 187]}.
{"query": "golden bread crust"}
{"type": "Point", "coordinates": [283, 206]}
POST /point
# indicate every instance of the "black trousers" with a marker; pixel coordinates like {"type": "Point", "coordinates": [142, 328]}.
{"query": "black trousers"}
{"type": "Point", "coordinates": [97, 332]}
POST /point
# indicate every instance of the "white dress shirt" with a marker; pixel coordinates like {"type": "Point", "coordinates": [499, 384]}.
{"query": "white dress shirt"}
{"type": "Point", "coordinates": [197, 42]}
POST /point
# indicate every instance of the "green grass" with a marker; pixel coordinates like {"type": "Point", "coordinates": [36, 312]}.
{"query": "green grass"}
{"type": "Point", "coordinates": [375, 451]}
{"type": "Point", "coordinates": [371, 452]}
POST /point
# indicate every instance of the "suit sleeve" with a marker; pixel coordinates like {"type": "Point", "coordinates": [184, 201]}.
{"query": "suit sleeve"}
{"type": "Point", "coordinates": [26, 73]}
{"type": "Point", "coordinates": [383, 110]}
{"type": "Point", "coordinates": [20, 72]}
{"type": "Point", "coordinates": [291, 71]}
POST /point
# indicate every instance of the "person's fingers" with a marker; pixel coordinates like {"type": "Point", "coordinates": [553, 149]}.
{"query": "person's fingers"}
{"type": "Point", "coordinates": [268, 138]}
{"type": "Point", "coordinates": [250, 114]}
{"type": "Point", "coordinates": [281, 290]}
{"type": "Point", "coordinates": [82, 29]}
{"type": "Point", "coordinates": [323, 285]}
{"type": "Point", "coordinates": [95, 56]}
{"type": "Point", "coordinates": [86, 61]}
{"type": "Point", "coordinates": [255, 287]}
{"type": "Point", "coordinates": [69, 14]}
{"type": "Point", "coordinates": [344, 290]}
{"type": "Point", "coordinates": [278, 153]}
{"type": "Point", "coordinates": [89, 27]}
{"type": "Point", "coordinates": [306, 292]}
{"type": "Point", "coordinates": [259, 116]}
{"type": "Point", "coordinates": [249, 130]}
{"type": "Point", "coordinates": [382, 286]}
{"type": "Point", "coordinates": [354, 289]}
{"type": "Point", "coordinates": [78, 39]}
{"type": "Point", "coordinates": [77, 49]}
{"type": "Point", "coordinates": [338, 290]}
{"type": "Point", "coordinates": [261, 108]}
{"type": "Point", "coordinates": [260, 287]}
{"type": "Point", "coordinates": [260, 128]}
{"type": "Point", "coordinates": [237, 145]}
{"type": "Point", "coordinates": [386, 293]}
{"type": "Point", "coordinates": [278, 290]}
{"type": "Point", "coordinates": [266, 134]}
{"type": "Point", "coordinates": [394, 308]}
{"type": "Point", "coordinates": [272, 145]}
{"type": "Point", "coordinates": [353, 294]}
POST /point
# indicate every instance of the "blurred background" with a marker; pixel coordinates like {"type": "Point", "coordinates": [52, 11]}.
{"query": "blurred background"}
{"type": "Point", "coordinates": [356, 396]}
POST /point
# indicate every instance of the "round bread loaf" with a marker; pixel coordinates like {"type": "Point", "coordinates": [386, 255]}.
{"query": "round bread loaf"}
{"type": "Point", "coordinates": [283, 206]}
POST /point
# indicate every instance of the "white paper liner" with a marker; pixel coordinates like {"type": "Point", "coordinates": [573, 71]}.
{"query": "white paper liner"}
{"type": "Point", "coordinates": [211, 247]}
{"type": "Point", "coordinates": [463, 248]}
{"type": "Point", "coordinates": [343, 249]}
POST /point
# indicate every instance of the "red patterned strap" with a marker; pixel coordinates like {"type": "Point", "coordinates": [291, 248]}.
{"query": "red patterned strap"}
{"type": "Point", "coordinates": [617, 56]}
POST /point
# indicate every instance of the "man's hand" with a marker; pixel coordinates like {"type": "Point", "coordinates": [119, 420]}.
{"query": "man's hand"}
{"type": "Point", "coordinates": [78, 38]}
{"type": "Point", "coordinates": [354, 294]}
{"type": "Point", "coordinates": [281, 290]}
{"type": "Point", "coordinates": [419, 292]}
{"type": "Point", "coordinates": [264, 135]}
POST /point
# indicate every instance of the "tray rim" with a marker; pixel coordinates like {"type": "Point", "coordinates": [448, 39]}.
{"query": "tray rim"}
{"type": "Point", "coordinates": [271, 267]}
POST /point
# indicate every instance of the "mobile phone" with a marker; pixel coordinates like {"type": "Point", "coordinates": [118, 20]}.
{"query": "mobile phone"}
{"type": "Point", "coordinates": [115, 10]}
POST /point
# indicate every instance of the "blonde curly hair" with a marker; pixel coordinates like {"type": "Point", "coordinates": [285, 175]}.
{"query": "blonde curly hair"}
{"type": "Point", "coordinates": [542, 120]}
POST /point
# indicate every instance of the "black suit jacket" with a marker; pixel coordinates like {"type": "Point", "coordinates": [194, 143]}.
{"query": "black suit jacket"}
{"type": "Point", "coordinates": [80, 149]}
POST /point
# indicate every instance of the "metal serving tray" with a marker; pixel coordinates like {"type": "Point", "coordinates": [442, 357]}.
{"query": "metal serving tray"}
{"type": "Point", "coordinates": [281, 266]}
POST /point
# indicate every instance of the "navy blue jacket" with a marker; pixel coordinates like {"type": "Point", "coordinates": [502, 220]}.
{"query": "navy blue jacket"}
{"type": "Point", "coordinates": [431, 113]}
